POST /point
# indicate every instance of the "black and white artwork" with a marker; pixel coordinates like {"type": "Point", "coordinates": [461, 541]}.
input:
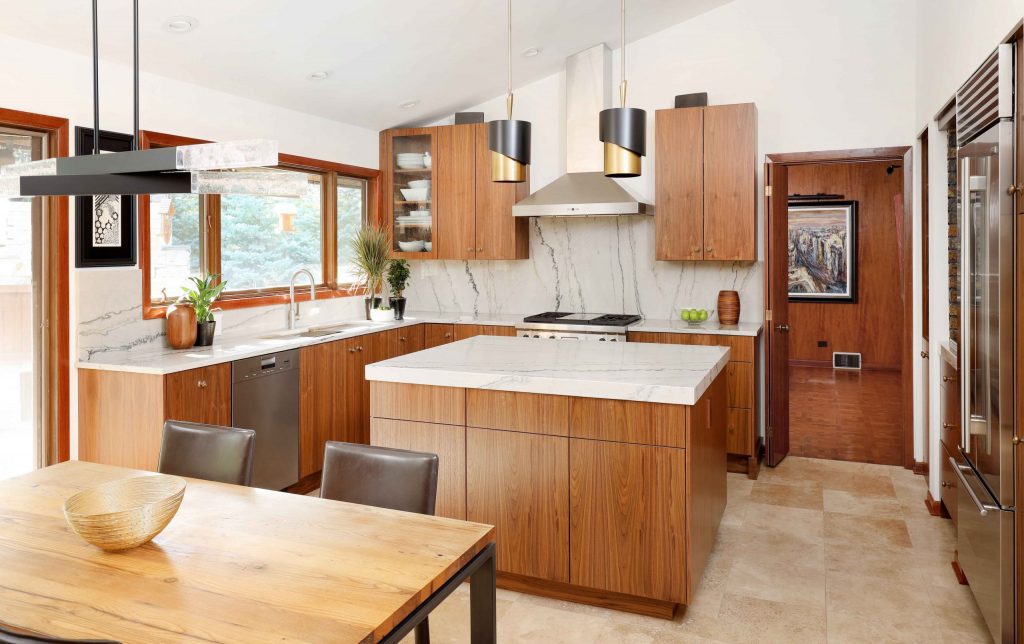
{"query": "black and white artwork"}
{"type": "Point", "coordinates": [104, 224]}
{"type": "Point", "coordinates": [106, 221]}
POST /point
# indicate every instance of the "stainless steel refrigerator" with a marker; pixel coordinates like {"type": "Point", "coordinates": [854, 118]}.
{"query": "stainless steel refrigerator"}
{"type": "Point", "coordinates": [984, 462]}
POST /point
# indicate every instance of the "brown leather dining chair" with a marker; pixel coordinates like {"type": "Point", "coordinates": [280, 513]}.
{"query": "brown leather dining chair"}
{"type": "Point", "coordinates": [383, 477]}
{"type": "Point", "coordinates": [209, 452]}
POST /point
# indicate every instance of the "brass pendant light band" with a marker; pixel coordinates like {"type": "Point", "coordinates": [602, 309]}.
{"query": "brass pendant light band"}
{"type": "Point", "coordinates": [620, 162]}
{"type": "Point", "coordinates": [506, 170]}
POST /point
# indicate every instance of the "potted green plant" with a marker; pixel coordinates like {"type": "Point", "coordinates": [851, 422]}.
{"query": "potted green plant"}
{"type": "Point", "coordinates": [372, 250]}
{"type": "Point", "coordinates": [398, 279]}
{"type": "Point", "coordinates": [382, 313]}
{"type": "Point", "coordinates": [206, 290]}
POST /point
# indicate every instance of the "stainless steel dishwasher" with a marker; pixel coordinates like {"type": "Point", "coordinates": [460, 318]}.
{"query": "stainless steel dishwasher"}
{"type": "Point", "coordinates": [265, 398]}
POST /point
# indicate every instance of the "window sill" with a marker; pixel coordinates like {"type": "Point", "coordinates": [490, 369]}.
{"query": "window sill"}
{"type": "Point", "coordinates": [270, 297]}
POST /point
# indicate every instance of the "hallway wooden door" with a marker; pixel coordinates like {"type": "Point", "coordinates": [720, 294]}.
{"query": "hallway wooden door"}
{"type": "Point", "coordinates": [777, 300]}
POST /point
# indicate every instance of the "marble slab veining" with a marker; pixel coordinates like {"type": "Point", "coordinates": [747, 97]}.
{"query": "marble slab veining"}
{"type": "Point", "coordinates": [673, 374]}
{"type": "Point", "coordinates": [236, 346]}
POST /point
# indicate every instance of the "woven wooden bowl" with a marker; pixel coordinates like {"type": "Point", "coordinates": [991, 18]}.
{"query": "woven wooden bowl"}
{"type": "Point", "coordinates": [125, 514]}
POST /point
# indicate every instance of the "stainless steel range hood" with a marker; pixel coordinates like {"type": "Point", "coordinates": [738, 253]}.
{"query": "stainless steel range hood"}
{"type": "Point", "coordinates": [584, 190]}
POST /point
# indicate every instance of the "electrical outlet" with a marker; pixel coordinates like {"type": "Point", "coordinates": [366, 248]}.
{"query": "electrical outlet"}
{"type": "Point", "coordinates": [822, 343]}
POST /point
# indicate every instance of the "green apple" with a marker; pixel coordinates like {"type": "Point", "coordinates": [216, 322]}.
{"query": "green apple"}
{"type": "Point", "coordinates": [703, 315]}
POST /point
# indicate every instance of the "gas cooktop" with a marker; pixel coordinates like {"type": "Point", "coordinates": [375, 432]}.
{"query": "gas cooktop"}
{"type": "Point", "coordinates": [594, 319]}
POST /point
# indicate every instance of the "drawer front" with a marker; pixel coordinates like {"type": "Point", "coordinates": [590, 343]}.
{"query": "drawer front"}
{"type": "Point", "coordinates": [519, 412]}
{"type": "Point", "coordinates": [425, 403]}
{"type": "Point", "coordinates": [627, 421]}
{"type": "Point", "coordinates": [437, 334]}
{"type": "Point", "coordinates": [739, 380]}
{"type": "Point", "coordinates": [741, 346]}
{"type": "Point", "coordinates": [739, 431]}
{"type": "Point", "coordinates": [949, 393]}
{"type": "Point", "coordinates": [948, 484]}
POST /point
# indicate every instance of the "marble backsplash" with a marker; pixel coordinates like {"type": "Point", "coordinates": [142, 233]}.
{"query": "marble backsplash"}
{"type": "Point", "coordinates": [594, 264]}
{"type": "Point", "coordinates": [588, 264]}
{"type": "Point", "coordinates": [110, 315]}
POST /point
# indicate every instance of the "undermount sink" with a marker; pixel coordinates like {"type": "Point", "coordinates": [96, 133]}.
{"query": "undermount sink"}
{"type": "Point", "coordinates": [314, 331]}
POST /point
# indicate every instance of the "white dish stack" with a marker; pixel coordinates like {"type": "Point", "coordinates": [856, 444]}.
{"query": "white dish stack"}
{"type": "Point", "coordinates": [410, 160]}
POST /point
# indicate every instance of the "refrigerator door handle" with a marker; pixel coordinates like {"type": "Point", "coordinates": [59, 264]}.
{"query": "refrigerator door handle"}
{"type": "Point", "coordinates": [983, 508]}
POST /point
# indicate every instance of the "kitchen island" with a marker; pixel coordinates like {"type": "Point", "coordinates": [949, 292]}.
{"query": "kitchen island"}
{"type": "Point", "coordinates": [602, 465]}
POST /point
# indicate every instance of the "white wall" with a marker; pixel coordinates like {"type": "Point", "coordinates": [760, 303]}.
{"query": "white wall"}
{"type": "Point", "coordinates": [36, 78]}
{"type": "Point", "coordinates": [953, 38]}
{"type": "Point", "coordinates": [825, 74]}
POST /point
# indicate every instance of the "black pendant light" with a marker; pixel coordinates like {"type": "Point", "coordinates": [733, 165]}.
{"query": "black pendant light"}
{"type": "Point", "coordinates": [508, 139]}
{"type": "Point", "coordinates": [623, 129]}
{"type": "Point", "coordinates": [183, 169]}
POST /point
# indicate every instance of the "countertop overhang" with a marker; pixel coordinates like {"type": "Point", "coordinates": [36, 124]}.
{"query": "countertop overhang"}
{"type": "Point", "coordinates": [657, 373]}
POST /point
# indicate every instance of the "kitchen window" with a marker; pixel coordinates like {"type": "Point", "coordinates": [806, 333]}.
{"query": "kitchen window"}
{"type": "Point", "coordinates": [255, 243]}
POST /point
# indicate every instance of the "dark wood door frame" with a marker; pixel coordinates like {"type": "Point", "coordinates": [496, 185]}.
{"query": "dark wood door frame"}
{"type": "Point", "coordinates": [58, 333]}
{"type": "Point", "coordinates": [903, 154]}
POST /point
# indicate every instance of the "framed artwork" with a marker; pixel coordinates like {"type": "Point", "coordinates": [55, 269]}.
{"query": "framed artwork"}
{"type": "Point", "coordinates": [104, 224]}
{"type": "Point", "coordinates": [823, 251]}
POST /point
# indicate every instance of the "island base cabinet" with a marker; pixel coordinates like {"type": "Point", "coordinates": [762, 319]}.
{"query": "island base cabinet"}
{"type": "Point", "coordinates": [519, 484]}
{"type": "Point", "coordinates": [447, 441]}
{"type": "Point", "coordinates": [627, 505]}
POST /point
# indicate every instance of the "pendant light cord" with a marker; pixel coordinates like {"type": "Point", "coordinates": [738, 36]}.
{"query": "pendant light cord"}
{"type": "Point", "coordinates": [95, 79]}
{"type": "Point", "coordinates": [508, 99]}
{"type": "Point", "coordinates": [135, 72]}
{"type": "Point", "coordinates": [622, 54]}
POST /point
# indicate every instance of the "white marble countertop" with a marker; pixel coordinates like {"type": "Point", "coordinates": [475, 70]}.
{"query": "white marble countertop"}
{"type": "Point", "coordinates": [750, 329]}
{"type": "Point", "coordinates": [676, 374]}
{"type": "Point", "coordinates": [236, 347]}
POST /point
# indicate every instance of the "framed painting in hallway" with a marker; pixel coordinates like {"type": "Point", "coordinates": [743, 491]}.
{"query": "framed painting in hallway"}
{"type": "Point", "coordinates": [823, 251]}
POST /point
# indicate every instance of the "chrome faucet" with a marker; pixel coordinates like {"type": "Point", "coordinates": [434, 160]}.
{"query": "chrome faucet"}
{"type": "Point", "coordinates": [293, 306]}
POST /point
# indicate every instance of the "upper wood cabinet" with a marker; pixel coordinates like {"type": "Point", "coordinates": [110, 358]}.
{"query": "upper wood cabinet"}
{"type": "Point", "coordinates": [705, 183]}
{"type": "Point", "coordinates": [470, 215]}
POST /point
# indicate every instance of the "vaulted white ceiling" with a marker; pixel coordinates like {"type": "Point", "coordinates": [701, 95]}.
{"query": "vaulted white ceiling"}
{"type": "Point", "coordinates": [445, 54]}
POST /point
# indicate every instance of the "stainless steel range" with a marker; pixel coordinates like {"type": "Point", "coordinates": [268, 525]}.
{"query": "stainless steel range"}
{"type": "Point", "coordinates": [604, 327]}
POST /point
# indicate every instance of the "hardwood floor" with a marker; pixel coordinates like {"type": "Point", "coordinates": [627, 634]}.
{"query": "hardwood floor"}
{"type": "Point", "coordinates": [846, 415]}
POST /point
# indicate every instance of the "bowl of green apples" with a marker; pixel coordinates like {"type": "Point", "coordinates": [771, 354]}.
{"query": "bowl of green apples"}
{"type": "Point", "coordinates": [694, 316]}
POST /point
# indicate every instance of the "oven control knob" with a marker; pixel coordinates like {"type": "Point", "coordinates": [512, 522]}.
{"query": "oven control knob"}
{"type": "Point", "coordinates": [613, 340]}
{"type": "Point", "coordinates": [551, 337]}
{"type": "Point", "coordinates": [536, 336]}
{"type": "Point", "coordinates": [601, 339]}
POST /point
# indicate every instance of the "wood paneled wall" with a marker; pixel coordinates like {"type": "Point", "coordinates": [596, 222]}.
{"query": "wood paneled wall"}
{"type": "Point", "coordinates": [873, 325]}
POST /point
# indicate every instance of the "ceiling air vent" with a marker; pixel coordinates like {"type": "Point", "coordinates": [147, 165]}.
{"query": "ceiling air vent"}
{"type": "Point", "coordinates": [845, 360]}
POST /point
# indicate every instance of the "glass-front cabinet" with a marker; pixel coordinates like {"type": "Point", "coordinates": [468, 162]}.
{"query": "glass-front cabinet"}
{"type": "Point", "coordinates": [408, 160]}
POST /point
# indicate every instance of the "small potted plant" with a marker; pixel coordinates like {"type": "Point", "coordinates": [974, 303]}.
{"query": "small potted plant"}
{"type": "Point", "coordinates": [206, 290]}
{"type": "Point", "coordinates": [382, 313]}
{"type": "Point", "coordinates": [372, 249]}
{"type": "Point", "coordinates": [398, 279]}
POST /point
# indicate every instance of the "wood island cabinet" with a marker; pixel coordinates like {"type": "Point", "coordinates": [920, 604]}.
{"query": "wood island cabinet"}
{"type": "Point", "coordinates": [705, 183]}
{"type": "Point", "coordinates": [742, 441]}
{"type": "Point", "coordinates": [470, 216]}
{"type": "Point", "coordinates": [609, 502]}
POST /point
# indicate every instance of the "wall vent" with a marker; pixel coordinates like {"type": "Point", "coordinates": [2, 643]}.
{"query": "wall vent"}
{"type": "Point", "coordinates": [845, 360]}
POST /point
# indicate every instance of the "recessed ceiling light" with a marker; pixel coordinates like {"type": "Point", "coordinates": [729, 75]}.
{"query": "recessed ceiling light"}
{"type": "Point", "coordinates": [319, 76]}
{"type": "Point", "coordinates": [531, 52]}
{"type": "Point", "coordinates": [408, 105]}
{"type": "Point", "coordinates": [180, 24]}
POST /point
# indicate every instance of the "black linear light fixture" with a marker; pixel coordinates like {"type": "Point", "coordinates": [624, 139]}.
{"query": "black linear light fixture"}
{"type": "Point", "coordinates": [508, 139]}
{"type": "Point", "coordinates": [623, 129]}
{"type": "Point", "coordinates": [182, 169]}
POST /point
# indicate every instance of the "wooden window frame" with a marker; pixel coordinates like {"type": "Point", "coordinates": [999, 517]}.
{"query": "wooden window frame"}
{"type": "Point", "coordinates": [211, 237]}
{"type": "Point", "coordinates": [57, 335]}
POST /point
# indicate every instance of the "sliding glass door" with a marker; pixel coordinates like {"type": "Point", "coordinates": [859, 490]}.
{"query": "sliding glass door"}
{"type": "Point", "coordinates": [22, 282]}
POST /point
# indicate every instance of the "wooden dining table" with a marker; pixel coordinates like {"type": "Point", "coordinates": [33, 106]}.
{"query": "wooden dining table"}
{"type": "Point", "coordinates": [236, 564]}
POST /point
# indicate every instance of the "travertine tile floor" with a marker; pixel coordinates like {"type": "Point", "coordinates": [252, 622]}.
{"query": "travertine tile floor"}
{"type": "Point", "coordinates": [813, 551]}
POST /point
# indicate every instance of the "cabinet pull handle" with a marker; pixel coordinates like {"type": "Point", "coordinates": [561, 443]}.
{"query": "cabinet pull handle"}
{"type": "Point", "coordinates": [469, 250]}
{"type": "Point", "coordinates": [944, 484]}
{"type": "Point", "coordinates": [352, 350]}
{"type": "Point", "coordinates": [447, 334]}
{"type": "Point", "coordinates": [709, 250]}
{"type": "Point", "coordinates": [947, 379]}
{"type": "Point", "coordinates": [924, 354]}
{"type": "Point", "coordinates": [948, 425]}
{"type": "Point", "coordinates": [201, 384]}
{"type": "Point", "coordinates": [479, 250]}
{"type": "Point", "coordinates": [695, 249]}
{"type": "Point", "coordinates": [359, 348]}
{"type": "Point", "coordinates": [401, 338]}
